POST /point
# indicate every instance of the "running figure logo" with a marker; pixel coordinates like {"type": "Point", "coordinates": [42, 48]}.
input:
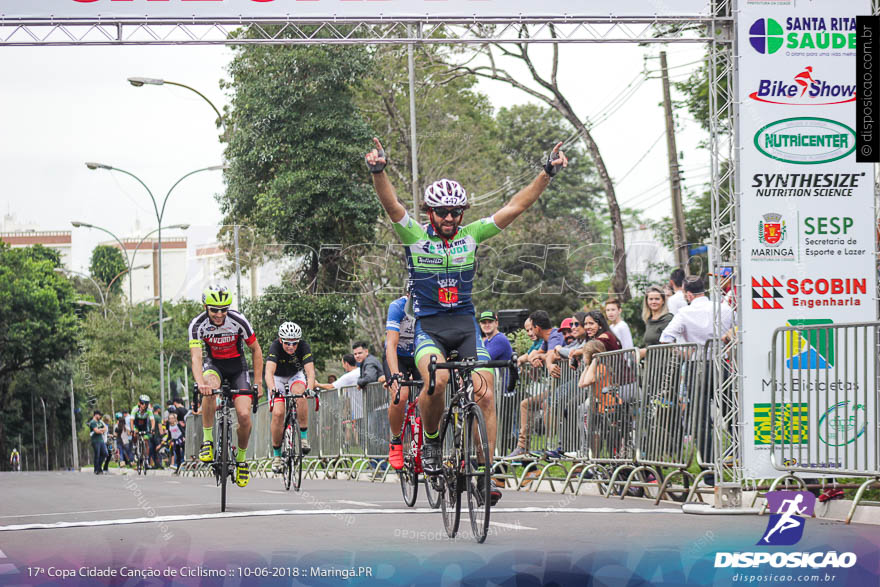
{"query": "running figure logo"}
{"type": "Point", "coordinates": [786, 524]}
{"type": "Point", "coordinates": [805, 79]}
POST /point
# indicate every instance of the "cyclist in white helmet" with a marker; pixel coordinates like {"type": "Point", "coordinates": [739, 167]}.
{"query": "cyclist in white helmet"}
{"type": "Point", "coordinates": [441, 260]}
{"type": "Point", "coordinates": [289, 362]}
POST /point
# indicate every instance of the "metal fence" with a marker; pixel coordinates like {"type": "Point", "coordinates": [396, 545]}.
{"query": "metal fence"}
{"type": "Point", "coordinates": [823, 411]}
{"type": "Point", "coordinates": [631, 425]}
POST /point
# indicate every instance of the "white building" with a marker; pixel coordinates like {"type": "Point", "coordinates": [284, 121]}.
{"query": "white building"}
{"type": "Point", "coordinates": [59, 240]}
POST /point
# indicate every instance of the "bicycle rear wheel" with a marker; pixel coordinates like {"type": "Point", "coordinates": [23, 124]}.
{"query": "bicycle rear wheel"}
{"type": "Point", "coordinates": [476, 451]}
{"type": "Point", "coordinates": [287, 458]}
{"type": "Point", "coordinates": [409, 479]}
{"type": "Point", "coordinates": [224, 464]}
{"type": "Point", "coordinates": [450, 486]}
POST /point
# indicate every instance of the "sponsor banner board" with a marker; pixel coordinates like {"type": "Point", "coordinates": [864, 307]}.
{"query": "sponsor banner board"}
{"type": "Point", "coordinates": [357, 9]}
{"type": "Point", "coordinates": [806, 213]}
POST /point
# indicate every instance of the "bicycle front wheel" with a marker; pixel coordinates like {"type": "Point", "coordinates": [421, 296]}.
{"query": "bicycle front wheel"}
{"type": "Point", "coordinates": [477, 466]}
{"type": "Point", "coordinates": [450, 479]}
{"type": "Point", "coordinates": [296, 458]}
{"type": "Point", "coordinates": [224, 464]}
{"type": "Point", "coordinates": [432, 494]}
{"type": "Point", "coordinates": [287, 458]}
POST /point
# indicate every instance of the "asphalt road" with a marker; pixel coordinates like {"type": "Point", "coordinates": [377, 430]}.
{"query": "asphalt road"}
{"type": "Point", "coordinates": [53, 524]}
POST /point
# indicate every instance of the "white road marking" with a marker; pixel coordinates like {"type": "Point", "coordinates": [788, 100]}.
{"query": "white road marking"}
{"type": "Point", "coordinates": [173, 482]}
{"type": "Point", "coordinates": [511, 526]}
{"type": "Point", "coordinates": [160, 507]}
{"type": "Point", "coordinates": [364, 503]}
{"type": "Point", "coordinates": [273, 491]}
{"type": "Point", "coordinates": [316, 512]}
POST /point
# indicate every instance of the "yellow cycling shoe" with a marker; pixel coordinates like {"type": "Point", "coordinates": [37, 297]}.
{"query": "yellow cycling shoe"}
{"type": "Point", "coordinates": [242, 474]}
{"type": "Point", "coordinates": [206, 452]}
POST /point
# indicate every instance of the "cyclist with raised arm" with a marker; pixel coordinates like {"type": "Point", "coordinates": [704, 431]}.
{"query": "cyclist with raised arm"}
{"type": "Point", "coordinates": [398, 362]}
{"type": "Point", "coordinates": [224, 333]}
{"type": "Point", "coordinates": [289, 362]}
{"type": "Point", "coordinates": [441, 261]}
{"type": "Point", "coordinates": [143, 423]}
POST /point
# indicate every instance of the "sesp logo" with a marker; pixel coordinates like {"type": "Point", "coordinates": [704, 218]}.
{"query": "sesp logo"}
{"type": "Point", "coordinates": [766, 36]}
{"type": "Point", "coordinates": [787, 510]}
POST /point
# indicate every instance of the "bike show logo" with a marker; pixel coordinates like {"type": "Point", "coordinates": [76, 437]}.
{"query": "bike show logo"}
{"type": "Point", "coordinates": [766, 294]}
{"type": "Point", "coordinates": [823, 36]}
{"type": "Point", "coordinates": [843, 423]}
{"type": "Point", "coordinates": [810, 349]}
{"type": "Point", "coordinates": [785, 527]}
{"type": "Point", "coordinates": [802, 90]}
{"type": "Point", "coordinates": [790, 426]}
{"type": "Point", "coordinates": [805, 140]}
{"type": "Point", "coordinates": [771, 234]}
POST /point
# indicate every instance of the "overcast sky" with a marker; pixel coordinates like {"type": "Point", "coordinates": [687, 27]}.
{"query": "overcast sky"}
{"type": "Point", "coordinates": [63, 106]}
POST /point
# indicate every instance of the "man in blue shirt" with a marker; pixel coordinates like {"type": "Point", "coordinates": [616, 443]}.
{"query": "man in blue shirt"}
{"type": "Point", "coordinates": [496, 343]}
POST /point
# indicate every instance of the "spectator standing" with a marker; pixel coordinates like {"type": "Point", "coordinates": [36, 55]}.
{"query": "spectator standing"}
{"type": "Point", "coordinates": [618, 326]}
{"type": "Point", "coordinates": [123, 439]}
{"type": "Point", "coordinates": [574, 350]}
{"type": "Point", "coordinates": [495, 342]}
{"type": "Point", "coordinates": [109, 441]}
{"type": "Point", "coordinates": [175, 439]}
{"type": "Point", "coordinates": [656, 316]}
{"type": "Point", "coordinates": [565, 329]}
{"type": "Point", "coordinates": [696, 324]}
{"type": "Point", "coordinates": [545, 356]}
{"type": "Point", "coordinates": [96, 435]}
{"type": "Point", "coordinates": [677, 301]}
{"type": "Point", "coordinates": [348, 379]}
{"type": "Point", "coordinates": [371, 368]}
{"type": "Point", "coordinates": [597, 329]}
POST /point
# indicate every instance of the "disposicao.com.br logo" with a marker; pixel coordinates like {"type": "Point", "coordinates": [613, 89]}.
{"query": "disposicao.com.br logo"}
{"type": "Point", "coordinates": [785, 528]}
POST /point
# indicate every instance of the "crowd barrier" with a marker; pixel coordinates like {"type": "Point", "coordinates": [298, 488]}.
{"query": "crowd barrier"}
{"type": "Point", "coordinates": [823, 410]}
{"type": "Point", "coordinates": [632, 425]}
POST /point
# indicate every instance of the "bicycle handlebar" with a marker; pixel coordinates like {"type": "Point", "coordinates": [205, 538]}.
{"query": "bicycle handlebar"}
{"type": "Point", "coordinates": [309, 393]}
{"type": "Point", "coordinates": [471, 365]}
{"type": "Point", "coordinates": [416, 383]}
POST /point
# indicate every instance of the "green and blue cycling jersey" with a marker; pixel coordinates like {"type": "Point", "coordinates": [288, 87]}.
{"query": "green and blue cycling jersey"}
{"type": "Point", "coordinates": [442, 271]}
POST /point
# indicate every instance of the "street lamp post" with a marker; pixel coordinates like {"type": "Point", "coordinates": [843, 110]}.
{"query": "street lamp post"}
{"type": "Point", "coordinates": [89, 277]}
{"type": "Point", "coordinates": [139, 82]}
{"type": "Point", "coordinates": [128, 261]}
{"type": "Point", "coordinates": [159, 215]}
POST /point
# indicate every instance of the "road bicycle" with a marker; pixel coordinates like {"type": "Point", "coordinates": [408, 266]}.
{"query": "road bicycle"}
{"type": "Point", "coordinates": [466, 462]}
{"type": "Point", "coordinates": [291, 443]}
{"type": "Point", "coordinates": [223, 465]}
{"type": "Point", "coordinates": [140, 448]}
{"type": "Point", "coordinates": [411, 439]}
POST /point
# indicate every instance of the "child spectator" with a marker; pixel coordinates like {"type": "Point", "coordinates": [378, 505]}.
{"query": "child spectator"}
{"type": "Point", "coordinates": [617, 325]}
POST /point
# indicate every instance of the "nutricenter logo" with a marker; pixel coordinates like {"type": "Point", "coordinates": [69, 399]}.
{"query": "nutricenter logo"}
{"type": "Point", "coordinates": [785, 528]}
{"type": "Point", "coordinates": [805, 140]}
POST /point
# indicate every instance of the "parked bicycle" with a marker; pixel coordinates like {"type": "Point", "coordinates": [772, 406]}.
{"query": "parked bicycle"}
{"type": "Point", "coordinates": [466, 462]}
{"type": "Point", "coordinates": [411, 438]}
{"type": "Point", "coordinates": [223, 465]}
{"type": "Point", "coordinates": [291, 442]}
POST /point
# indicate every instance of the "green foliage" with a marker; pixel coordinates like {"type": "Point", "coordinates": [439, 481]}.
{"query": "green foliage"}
{"type": "Point", "coordinates": [520, 341]}
{"type": "Point", "coordinates": [37, 327]}
{"type": "Point", "coordinates": [539, 262]}
{"type": "Point", "coordinates": [37, 321]}
{"type": "Point", "coordinates": [108, 263]}
{"type": "Point", "coordinates": [296, 148]}
{"type": "Point", "coordinates": [325, 320]}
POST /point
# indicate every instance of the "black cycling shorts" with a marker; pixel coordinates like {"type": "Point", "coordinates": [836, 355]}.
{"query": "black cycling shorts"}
{"type": "Point", "coordinates": [443, 333]}
{"type": "Point", "coordinates": [234, 371]}
{"type": "Point", "coordinates": [406, 365]}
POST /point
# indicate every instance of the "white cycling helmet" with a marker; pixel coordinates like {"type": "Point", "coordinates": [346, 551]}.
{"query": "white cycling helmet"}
{"type": "Point", "coordinates": [290, 331]}
{"type": "Point", "coordinates": [144, 398]}
{"type": "Point", "coordinates": [445, 192]}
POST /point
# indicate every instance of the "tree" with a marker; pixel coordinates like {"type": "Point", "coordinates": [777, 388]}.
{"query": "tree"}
{"type": "Point", "coordinates": [106, 267]}
{"type": "Point", "coordinates": [325, 320]}
{"type": "Point", "coordinates": [37, 321]}
{"type": "Point", "coordinates": [551, 95]}
{"type": "Point", "coordinates": [296, 149]}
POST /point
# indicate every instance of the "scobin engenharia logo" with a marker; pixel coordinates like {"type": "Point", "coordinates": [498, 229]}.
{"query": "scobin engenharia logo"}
{"type": "Point", "coordinates": [785, 527]}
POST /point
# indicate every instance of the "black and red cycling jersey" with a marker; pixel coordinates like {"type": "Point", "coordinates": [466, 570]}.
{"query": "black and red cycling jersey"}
{"type": "Point", "coordinates": [225, 341]}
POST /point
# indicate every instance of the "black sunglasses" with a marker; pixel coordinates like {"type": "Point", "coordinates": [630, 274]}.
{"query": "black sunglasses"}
{"type": "Point", "coordinates": [443, 212]}
{"type": "Point", "coordinates": [217, 310]}
{"type": "Point", "coordinates": [575, 323]}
